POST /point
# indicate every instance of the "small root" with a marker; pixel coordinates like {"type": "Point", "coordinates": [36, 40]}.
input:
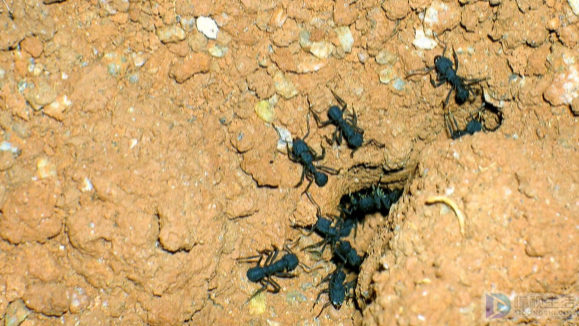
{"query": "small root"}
{"type": "Point", "coordinates": [451, 204]}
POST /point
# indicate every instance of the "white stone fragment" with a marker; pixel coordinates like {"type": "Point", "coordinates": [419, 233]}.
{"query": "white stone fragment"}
{"type": "Point", "coordinates": [45, 168]}
{"type": "Point", "coordinates": [284, 86]}
{"type": "Point", "coordinates": [56, 109]}
{"type": "Point", "coordinates": [431, 16]}
{"type": "Point", "coordinates": [421, 41]}
{"type": "Point", "coordinates": [304, 40]}
{"type": "Point", "coordinates": [345, 37]}
{"type": "Point", "coordinates": [285, 139]}
{"type": "Point", "coordinates": [86, 185]}
{"type": "Point", "coordinates": [170, 34]}
{"type": "Point", "coordinates": [7, 147]}
{"type": "Point", "coordinates": [217, 51]}
{"type": "Point", "coordinates": [139, 58]}
{"type": "Point", "coordinates": [564, 88]}
{"type": "Point", "coordinates": [322, 49]}
{"type": "Point", "coordinates": [386, 75]}
{"type": "Point", "coordinates": [574, 4]}
{"type": "Point", "coordinates": [208, 27]}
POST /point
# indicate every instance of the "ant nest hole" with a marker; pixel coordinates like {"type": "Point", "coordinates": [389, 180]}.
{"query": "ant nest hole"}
{"type": "Point", "coordinates": [367, 197]}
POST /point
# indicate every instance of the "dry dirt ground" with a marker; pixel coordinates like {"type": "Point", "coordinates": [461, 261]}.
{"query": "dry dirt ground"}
{"type": "Point", "coordinates": [139, 158]}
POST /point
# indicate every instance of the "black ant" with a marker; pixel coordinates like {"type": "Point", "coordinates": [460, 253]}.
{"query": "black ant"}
{"type": "Point", "coordinates": [281, 268]}
{"type": "Point", "coordinates": [305, 155]}
{"type": "Point", "coordinates": [337, 290]}
{"type": "Point", "coordinates": [347, 254]}
{"type": "Point", "coordinates": [376, 201]}
{"type": "Point", "coordinates": [446, 73]}
{"type": "Point", "coordinates": [345, 127]}
{"type": "Point", "coordinates": [473, 126]}
{"type": "Point", "coordinates": [331, 234]}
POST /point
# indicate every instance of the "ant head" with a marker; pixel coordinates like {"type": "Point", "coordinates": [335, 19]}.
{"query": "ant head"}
{"type": "Point", "coordinates": [321, 179]}
{"type": "Point", "coordinates": [437, 57]}
{"type": "Point", "coordinates": [473, 126]}
{"type": "Point", "coordinates": [292, 261]}
{"type": "Point", "coordinates": [323, 223]}
{"type": "Point", "coordinates": [299, 146]}
{"type": "Point", "coordinates": [335, 113]}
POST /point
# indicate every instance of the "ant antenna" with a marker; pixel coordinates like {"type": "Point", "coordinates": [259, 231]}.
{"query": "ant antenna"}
{"type": "Point", "coordinates": [10, 13]}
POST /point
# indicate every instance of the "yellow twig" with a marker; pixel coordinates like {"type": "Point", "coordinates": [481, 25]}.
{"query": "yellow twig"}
{"type": "Point", "coordinates": [451, 204]}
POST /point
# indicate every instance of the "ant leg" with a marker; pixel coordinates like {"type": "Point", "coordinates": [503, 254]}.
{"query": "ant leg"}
{"type": "Point", "coordinates": [468, 82]}
{"type": "Point", "coordinates": [291, 155]}
{"type": "Point", "coordinates": [448, 97]}
{"type": "Point", "coordinates": [250, 259]}
{"type": "Point", "coordinates": [455, 60]}
{"type": "Point", "coordinates": [438, 83]}
{"type": "Point", "coordinates": [315, 245]}
{"type": "Point", "coordinates": [342, 103]}
{"type": "Point", "coordinates": [263, 288]}
{"type": "Point", "coordinates": [307, 188]}
{"type": "Point", "coordinates": [285, 275]}
{"type": "Point", "coordinates": [309, 269]}
{"type": "Point", "coordinates": [449, 126]}
{"type": "Point", "coordinates": [321, 292]}
{"type": "Point", "coordinates": [353, 121]}
{"type": "Point", "coordinates": [453, 119]}
{"type": "Point", "coordinates": [301, 178]}
{"type": "Point", "coordinates": [321, 124]}
{"type": "Point", "coordinates": [335, 138]}
{"type": "Point", "coordinates": [456, 133]}
{"type": "Point", "coordinates": [354, 118]}
{"type": "Point", "coordinates": [271, 256]}
{"type": "Point", "coordinates": [324, 307]}
{"type": "Point", "coordinates": [338, 136]}
{"type": "Point", "coordinates": [308, 124]}
{"type": "Point", "coordinates": [419, 72]}
{"type": "Point", "coordinates": [289, 245]}
{"type": "Point", "coordinates": [327, 170]}
{"type": "Point", "coordinates": [273, 283]}
{"type": "Point", "coordinates": [372, 142]}
{"type": "Point", "coordinates": [313, 202]}
{"type": "Point", "coordinates": [320, 157]}
{"type": "Point", "coordinates": [375, 143]}
{"type": "Point", "coordinates": [439, 40]}
{"type": "Point", "coordinates": [344, 259]}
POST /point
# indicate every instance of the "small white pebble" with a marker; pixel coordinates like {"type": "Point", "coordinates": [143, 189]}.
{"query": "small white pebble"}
{"type": "Point", "coordinates": [345, 37]}
{"type": "Point", "coordinates": [285, 139]}
{"type": "Point", "coordinates": [86, 185]}
{"type": "Point", "coordinates": [5, 146]}
{"type": "Point", "coordinates": [208, 27]}
{"type": "Point", "coordinates": [423, 42]}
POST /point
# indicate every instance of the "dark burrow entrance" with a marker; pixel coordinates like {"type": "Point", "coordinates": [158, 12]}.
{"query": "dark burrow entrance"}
{"type": "Point", "coordinates": [349, 233]}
